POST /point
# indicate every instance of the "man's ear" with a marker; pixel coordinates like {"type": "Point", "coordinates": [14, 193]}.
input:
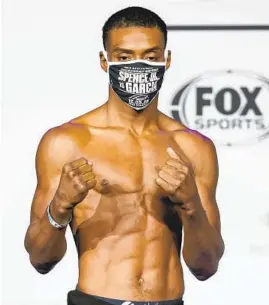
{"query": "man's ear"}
{"type": "Point", "coordinates": [168, 60]}
{"type": "Point", "coordinates": [103, 61]}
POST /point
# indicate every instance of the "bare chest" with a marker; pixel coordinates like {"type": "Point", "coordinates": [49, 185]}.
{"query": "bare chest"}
{"type": "Point", "coordinates": [127, 165]}
{"type": "Point", "coordinates": [126, 197]}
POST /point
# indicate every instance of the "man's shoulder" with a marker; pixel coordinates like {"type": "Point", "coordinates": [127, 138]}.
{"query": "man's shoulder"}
{"type": "Point", "coordinates": [183, 135]}
{"type": "Point", "coordinates": [77, 130]}
{"type": "Point", "coordinates": [196, 147]}
{"type": "Point", "coordinates": [66, 134]}
{"type": "Point", "coordinates": [62, 144]}
{"type": "Point", "coordinates": [168, 124]}
{"type": "Point", "coordinates": [192, 139]}
{"type": "Point", "coordinates": [66, 141]}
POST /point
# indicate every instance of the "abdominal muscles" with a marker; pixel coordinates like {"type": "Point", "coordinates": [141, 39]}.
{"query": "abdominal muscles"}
{"type": "Point", "coordinates": [128, 253]}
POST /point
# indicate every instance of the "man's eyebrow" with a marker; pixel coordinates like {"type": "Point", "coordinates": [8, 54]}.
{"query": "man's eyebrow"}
{"type": "Point", "coordinates": [118, 49]}
{"type": "Point", "coordinates": [154, 49]}
{"type": "Point", "coordinates": [128, 51]}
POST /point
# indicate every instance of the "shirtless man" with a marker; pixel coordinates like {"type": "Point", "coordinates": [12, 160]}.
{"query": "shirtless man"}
{"type": "Point", "coordinates": [127, 179]}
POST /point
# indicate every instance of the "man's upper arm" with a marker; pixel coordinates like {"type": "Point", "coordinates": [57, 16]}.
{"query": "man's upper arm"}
{"type": "Point", "coordinates": [49, 161]}
{"type": "Point", "coordinates": [206, 173]}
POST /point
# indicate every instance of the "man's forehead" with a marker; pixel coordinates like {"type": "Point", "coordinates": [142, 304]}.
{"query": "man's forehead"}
{"type": "Point", "coordinates": [132, 37]}
{"type": "Point", "coordinates": [119, 49]}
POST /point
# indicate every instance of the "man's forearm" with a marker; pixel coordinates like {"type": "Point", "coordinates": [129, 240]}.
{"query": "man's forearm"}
{"type": "Point", "coordinates": [203, 244]}
{"type": "Point", "coordinates": [45, 244]}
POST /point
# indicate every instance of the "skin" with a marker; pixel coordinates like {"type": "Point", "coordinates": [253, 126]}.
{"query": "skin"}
{"type": "Point", "coordinates": [132, 180]}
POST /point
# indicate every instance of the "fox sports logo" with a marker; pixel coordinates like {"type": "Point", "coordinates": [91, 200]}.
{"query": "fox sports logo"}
{"type": "Point", "coordinates": [230, 107]}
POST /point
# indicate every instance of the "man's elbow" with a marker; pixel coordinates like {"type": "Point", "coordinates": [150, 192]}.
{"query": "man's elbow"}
{"type": "Point", "coordinates": [203, 274]}
{"type": "Point", "coordinates": [206, 272]}
{"type": "Point", "coordinates": [43, 268]}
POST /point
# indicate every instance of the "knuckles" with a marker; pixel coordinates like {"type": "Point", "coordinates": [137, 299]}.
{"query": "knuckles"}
{"type": "Point", "coordinates": [92, 183]}
{"type": "Point", "coordinates": [79, 162]}
{"type": "Point", "coordinates": [84, 160]}
{"type": "Point", "coordinates": [92, 176]}
{"type": "Point", "coordinates": [66, 168]}
{"type": "Point", "coordinates": [87, 168]}
{"type": "Point", "coordinates": [162, 173]}
{"type": "Point", "coordinates": [182, 177]}
{"type": "Point", "coordinates": [168, 168]}
{"type": "Point", "coordinates": [172, 164]}
{"type": "Point", "coordinates": [185, 169]}
{"type": "Point", "coordinates": [72, 174]}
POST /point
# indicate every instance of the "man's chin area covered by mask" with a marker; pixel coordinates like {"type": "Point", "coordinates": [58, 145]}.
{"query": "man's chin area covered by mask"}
{"type": "Point", "coordinates": [136, 83]}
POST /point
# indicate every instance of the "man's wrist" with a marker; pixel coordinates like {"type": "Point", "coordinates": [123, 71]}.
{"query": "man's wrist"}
{"type": "Point", "coordinates": [192, 209]}
{"type": "Point", "coordinates": [59, 214]}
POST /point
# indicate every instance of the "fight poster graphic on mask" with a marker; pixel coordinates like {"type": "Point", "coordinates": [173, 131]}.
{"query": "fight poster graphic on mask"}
{"type": "Point", "coordinates": [218, 85]}
{"type": "Point", "coordinates": [137, 82]}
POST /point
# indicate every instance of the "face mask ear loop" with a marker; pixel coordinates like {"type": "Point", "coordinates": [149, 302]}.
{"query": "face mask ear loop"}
{"type": "Point", "coordinates": [166, 53]}
{"type": "Point", "coordinates": [105, 55]}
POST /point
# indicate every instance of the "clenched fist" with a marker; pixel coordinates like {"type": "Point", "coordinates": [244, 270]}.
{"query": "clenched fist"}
{"type": "Point", "coordinates": [76, 180]}
{"type": "Point", "coordinates": [176, 179]}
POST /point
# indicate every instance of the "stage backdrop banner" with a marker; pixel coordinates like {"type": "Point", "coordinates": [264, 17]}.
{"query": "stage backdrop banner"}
{"type": "Point", "coordinates": [217, 83]}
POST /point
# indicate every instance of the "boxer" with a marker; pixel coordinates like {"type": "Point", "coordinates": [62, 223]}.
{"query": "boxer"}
{"type": "Point", "coordinates": [128, 180]}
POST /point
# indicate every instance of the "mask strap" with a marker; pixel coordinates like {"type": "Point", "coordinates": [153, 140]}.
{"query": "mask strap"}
{"type": "Point", "coordinates": [166, 53]}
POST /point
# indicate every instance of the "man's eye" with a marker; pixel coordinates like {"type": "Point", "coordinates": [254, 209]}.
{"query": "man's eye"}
{"type": "Point", "coordinates": [124, 58]}
{"type": "Point", "coordinates": [151, 58]}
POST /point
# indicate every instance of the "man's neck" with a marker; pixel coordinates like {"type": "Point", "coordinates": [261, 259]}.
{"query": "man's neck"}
{"type": "Point", "coordinates": [120, 114]}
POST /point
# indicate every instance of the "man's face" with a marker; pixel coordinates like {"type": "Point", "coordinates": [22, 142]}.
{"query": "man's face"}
{"type": "Point", "coordinates": [133, 43]}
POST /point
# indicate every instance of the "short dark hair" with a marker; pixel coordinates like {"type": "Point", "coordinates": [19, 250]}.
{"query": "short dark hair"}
{"type": "Point", "coordinates": [134, 16]}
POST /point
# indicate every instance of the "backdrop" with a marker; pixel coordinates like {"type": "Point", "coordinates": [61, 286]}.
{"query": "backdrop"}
{"type": "Point", "coordinates": [218, 84]}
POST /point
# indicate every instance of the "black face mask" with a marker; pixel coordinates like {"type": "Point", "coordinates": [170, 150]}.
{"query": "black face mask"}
{"type": "Point", "coordinates": [136, 82]}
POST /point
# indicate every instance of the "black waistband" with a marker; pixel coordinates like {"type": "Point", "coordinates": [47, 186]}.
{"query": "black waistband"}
{"type": "Point", "coordinates": [76, 297]}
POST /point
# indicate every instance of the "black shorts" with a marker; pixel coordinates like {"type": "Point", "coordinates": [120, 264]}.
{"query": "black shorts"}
{"type": "Point", "coordinates": [76, 297]}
